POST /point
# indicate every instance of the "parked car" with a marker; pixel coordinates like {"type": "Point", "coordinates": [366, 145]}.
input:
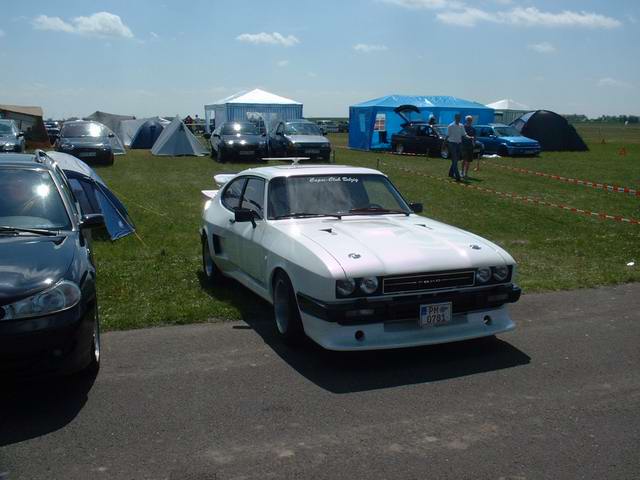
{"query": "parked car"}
{"type": "Point", "coordinates": [238, 140]}
{"type": "Point", "coordinates": [343, 126]}
{"type": "Point", "coordinates": [505, 140]}
{"type": "Point", "coordinates": [54, 135]}
{"type": "Point", "coordinates": [48, 305]}
{"type": "Point", "coordinates": [328, 126]}
{"type": "Point", "coordinates": [298, 138]}
{"type": "Point", "coordinates": [89, 141]}
{"type": "Point", "coordinates": [11, 138]}
{"type": "Point", "coordinates": [346, 260]}
{"type": "Point", "coordinates": [441, 130]}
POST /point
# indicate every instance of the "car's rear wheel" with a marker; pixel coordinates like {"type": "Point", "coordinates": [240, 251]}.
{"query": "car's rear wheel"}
{"type": "Point", "coordinates": [211, 271]}
{"type": "Point", "coordinates": [220, 156]}
{"type": "Point", "coordinates": [399, 148]}
{"type": "Point", "coordinates": [285, 310]}
{"type": "Point", "coordinates": [444, 152]}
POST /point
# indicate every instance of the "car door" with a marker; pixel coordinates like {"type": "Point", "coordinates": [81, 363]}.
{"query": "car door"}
{"type": "Point", "coordinates": [280, 141]}
{"type": "Point", "coordinates": [228, 234]}
{"type": "Point", "coordinates": [251, 251]}
{"type": "Point", "coordinates": [488, 139]}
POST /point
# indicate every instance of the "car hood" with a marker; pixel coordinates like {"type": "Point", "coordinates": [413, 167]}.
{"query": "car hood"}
{"type": "Point", "coordinates": [86, 142]}
{"type": "Point", "coordinates": [520, 139]}
{"type": "Point", "coordinates": [30, 264]}
{"type": "Point", "coordinates": [307, 138]}
{"type": "Point", "coordinates": [391, 245]}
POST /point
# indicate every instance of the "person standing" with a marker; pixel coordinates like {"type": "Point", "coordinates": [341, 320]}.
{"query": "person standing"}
{"type": "Point", "coordinates": [455, 134]}
{"type": "Point", "coordinates": [467, 145]}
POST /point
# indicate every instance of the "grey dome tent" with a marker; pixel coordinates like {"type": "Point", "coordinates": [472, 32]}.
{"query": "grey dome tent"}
{"type": "Point", "coordinates": [176, 139]}
{"type": "Point", "coordinates": [128, 128]}
{"type": "Point", "coordinates": [147, 134]}
{"type": "Point", "coordinates": [553, 131]}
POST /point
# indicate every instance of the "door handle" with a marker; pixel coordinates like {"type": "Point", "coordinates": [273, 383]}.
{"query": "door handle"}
{"type": "Point", "coordinates": [231, 220]}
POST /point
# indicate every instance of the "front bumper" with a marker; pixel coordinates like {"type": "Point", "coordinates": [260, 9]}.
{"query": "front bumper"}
{"type": "Point", "coordinates": [91, 155]}
{"type": "Point", "coordinates": [523, 150]}
{"type": "Point", "coordinates": [242, 152]}
{"type": "Point", "coordinates": [312, 151]}
{"type": "Point", "coordinates": [368, 324]}
{"type": "Point", "coordinates": [58, 343]}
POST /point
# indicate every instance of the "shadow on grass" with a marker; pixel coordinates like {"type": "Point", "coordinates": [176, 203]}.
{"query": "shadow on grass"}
{"type": "Point", "coordinates": [347, 372]}
{"type": "Point", "coordinates": [37, 407]}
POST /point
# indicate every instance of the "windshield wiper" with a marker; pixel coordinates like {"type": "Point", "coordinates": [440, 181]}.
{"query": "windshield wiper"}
{"type": "Point", "coordinates": [36, 231]}
{"type": "Point", "coordinates": [307, 215]}
{"type": "Point", "coordinates": [366, 210]}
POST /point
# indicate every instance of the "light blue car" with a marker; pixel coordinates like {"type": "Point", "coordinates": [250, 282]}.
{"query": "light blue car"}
{"type": "Point", "coordinates": [505, 140]}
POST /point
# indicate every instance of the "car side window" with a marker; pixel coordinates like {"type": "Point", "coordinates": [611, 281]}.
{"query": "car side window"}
{"type": "Point", "coordinates": [253, 197]}
{"type": "Point", "coordinates": [280, 129]}
{"type": "Point", "coordinates": [233, 192]}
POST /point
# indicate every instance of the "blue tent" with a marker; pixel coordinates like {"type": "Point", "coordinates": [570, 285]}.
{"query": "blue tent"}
{"type": "Point", "coordinates": [147, 134]}
{"type": "Point", "coordinates": [94, 196]}
{"type": "Point", "coordinates": [372, 123]}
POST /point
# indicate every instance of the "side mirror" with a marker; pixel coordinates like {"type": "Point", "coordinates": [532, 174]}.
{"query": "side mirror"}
{"type": "Point", "coordinates": [416, 207]}
{"type": "Point", "coordinates": [245, 215]}
{"type": "Point", "coordinates": [92, 220]}
{"type": "Point", "coordinates": [207, 136]}
{"type": "Point", "coordinates": [111, 135]}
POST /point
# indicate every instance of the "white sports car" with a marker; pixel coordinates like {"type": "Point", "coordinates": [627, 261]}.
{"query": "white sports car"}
{"type": "Point", "coordinates": [347, 261]}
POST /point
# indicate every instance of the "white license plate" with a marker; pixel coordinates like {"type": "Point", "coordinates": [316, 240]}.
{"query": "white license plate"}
{"type": "Point", "coordinates": [435, 314]}
{"type": "Point", "coordinates": [247, 152]}
{"type": "Point", "coordinates": [87, 154]}
{"type": "Point", "coordinates": [314, 151]}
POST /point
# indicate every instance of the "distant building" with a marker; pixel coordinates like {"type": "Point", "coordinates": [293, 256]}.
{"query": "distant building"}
{"type": "Point", "coordinates": [507, 110]}
{"type": "Point", "coordinates": [28, 119]}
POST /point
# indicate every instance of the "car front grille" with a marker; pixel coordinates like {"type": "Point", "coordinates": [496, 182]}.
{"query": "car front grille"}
{"type": "Point", "coordinates": [428, 281]}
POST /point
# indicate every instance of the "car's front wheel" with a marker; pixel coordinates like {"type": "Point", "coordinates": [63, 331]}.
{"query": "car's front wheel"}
{"type": "Point", "coordinates": [285, 310]}
{"type": "Point", "coordinates": [399, 148]}
{"type": "Point", "coordinates": [93, 362]}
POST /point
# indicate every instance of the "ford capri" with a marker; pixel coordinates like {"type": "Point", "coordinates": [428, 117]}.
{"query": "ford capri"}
{"type": "Point", "coordinates": [345, 260]}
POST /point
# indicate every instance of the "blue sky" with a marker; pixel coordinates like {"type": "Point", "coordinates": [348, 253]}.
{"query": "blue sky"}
{"type": "Point", "coordinates": [150, 57]}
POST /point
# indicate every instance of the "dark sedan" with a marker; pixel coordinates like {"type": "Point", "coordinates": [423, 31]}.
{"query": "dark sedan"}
{"type": "Point", "coordinates": [298, 138]}
{"type": "Point", "coordinates": [478, 147]}
{"type": "Point", "coordinates": [88, 141]}
{"type": "Point", "coordinates": [48, 306]}
{"type": "Point", "coordinates": [238, 141]}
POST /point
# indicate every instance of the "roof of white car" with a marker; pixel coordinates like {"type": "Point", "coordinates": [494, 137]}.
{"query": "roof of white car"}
{"type": "Point", "coordinates": [295, 170]}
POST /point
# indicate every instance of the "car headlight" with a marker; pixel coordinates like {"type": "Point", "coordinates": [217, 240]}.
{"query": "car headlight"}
{"type": "Point", "coordinates": [230, 142]}
{"type": "Point", "coordinates": [66, 146]}
{"type": "Point", "coordinates": [369, 285]}
{"type": "Point", "coordinates": [501, 273]}
{"type": "Point", "coordinates": [60, 297]}
{"type": "Point", "coordinates": [483, 275]}
{"type": "Point", "coordinates": [344, 288]}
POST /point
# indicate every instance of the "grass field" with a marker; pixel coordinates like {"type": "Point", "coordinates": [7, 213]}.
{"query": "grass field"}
{"type": "Point", "coordinates": [156, 279]}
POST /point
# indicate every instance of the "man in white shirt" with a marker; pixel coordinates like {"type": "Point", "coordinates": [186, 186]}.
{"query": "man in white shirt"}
{"type": "Point", "coordinates": [455, 134]}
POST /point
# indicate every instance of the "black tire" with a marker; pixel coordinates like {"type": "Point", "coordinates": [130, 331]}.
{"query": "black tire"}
{"type": "Point", "coordinates": [502, 151]}
{"type": "Point", "coordinates": [212, 153]}
{"type": "Point", "coordinates": [220, 157]}
{"type": "Point", "coordinates": [399, 148]}
{"type": "Point", "coordinates": [93, 362]}
{"type": "Point", "coordinates": [288, 323]}
{"type": "Point", "coordinates": [211, 271]}
{"type": "Point", "coordinates": [444, 152]}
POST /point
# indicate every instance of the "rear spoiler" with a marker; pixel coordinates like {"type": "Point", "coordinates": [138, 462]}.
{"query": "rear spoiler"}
{"type": "Point", "coordinates": [223, 178]}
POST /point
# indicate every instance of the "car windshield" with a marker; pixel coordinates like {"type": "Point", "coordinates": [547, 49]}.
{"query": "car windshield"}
{"type": "Point", "coordinates": [441, 129]}
{"type": "Point", "coordinates": [302, 128]}
{"type": "Point", "coordinates": [240, 128]}
{"type": "Point", "coordinates": [30, 199]}
{"type": "Point", "coordinates": [506, 132]}
{"type": "Point", "coordinates": [73, 130]}
{"type": "Point", "coordinates": [338, 194]}
{"type": "Point", "coordinates": [6, 129]}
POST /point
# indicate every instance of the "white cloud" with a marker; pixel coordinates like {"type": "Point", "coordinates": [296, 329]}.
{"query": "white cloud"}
{"type": "Point", "coordinates": [282, 63]}
{"type": "Point", "coordinates": [101, 24]}
{"type": "Point", "coordinates": [527, 17]}
{"type": "Point", "coordinates": [154, 35]}
{"type": "Point", "coordinates": [425, 4]}
{"type": "Point", "coordinates": [2, 34]}
{"type": "Point", "coordinates": [366, 48]}
{"type": "Point", "coordinates": [264, 38]}
{"type": "Point", "coordinates": [542, 47]}
{"type": "Point", "coordinates": [612, 82]}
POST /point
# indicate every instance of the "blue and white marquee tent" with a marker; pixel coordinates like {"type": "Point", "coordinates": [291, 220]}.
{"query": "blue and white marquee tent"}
{"type": "Point", "coordinates": [372, 123]}
{"type": "Point", "coordinates": [245, 106]}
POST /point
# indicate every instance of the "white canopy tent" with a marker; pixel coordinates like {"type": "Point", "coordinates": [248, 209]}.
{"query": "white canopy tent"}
{"type": "Point", "coordinates": [248, 105]}
{"type": "Point", "coordinates": [507, 110]}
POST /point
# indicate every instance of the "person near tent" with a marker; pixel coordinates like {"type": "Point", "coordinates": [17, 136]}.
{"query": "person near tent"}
{"type": "Point", "coordinates": [467, 145]}
{"type": "Point", "coordinates": [432, 121]}
{"type": "Point", "coordinates": [455, 134]}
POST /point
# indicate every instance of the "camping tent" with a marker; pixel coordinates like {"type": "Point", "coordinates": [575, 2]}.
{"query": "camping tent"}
{"type": "Point", "coordinates": [553, 131]}
{"type": "Point", "coordinates": [111, 120]}
{"type": "Point", "coordinates": [177, 139]}
{"type": "Point", "coordinates": [250, 105]}
{"type": "Point", "coordinates": [147, 134]}
{"type": "Point", "coordinates": [128, 128]}
{"type": "Point", "coordinates": [372, 123]}
{"type": "Point", "coordinates": [94, 196]}
{"type": "Point", "coordinates": [507, 110]}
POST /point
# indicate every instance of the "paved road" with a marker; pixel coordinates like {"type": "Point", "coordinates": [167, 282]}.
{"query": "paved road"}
{"type": "Point", "coordinates": [557, 398]}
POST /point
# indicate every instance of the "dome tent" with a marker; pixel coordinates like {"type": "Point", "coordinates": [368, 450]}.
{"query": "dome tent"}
{"type": "Point", "coordinates": [176, 139]}
{"type": "Point", "coordinates": [553, 131]}
{"type": "Point", "coordinates": [147, 134]}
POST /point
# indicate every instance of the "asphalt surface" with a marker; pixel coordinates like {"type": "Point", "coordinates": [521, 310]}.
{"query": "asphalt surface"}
{"type": "Point", "coordinates": [557, 398]}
